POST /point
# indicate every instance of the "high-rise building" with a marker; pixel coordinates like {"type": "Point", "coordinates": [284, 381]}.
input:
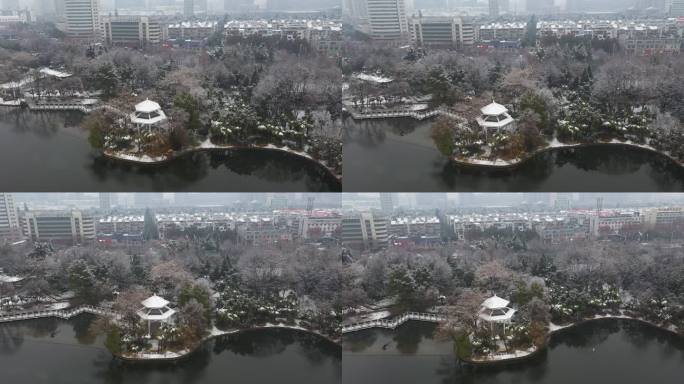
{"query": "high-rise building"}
{"type": "Point", "coordinates": [188, 8]}
{"type": "Point", "coordinates": [12, 5]}
{"type": "Point", "coordinates": [105, 201]}
{"type": "Point", "coordinates": [238, 5]}
{"type": "Point", "coordinates": [493, 8]}
{"type": "Point", "coordinates": [83, 19]}
{"type": "Point", "coordinates": [278, 202]}
{"type": "Point", "coordinates": [366, 231]}
{"type": "Point", "coordinates": [129, 4]}
{"type": "Point", "coordinates": [432, 201]}
{"type": "Point", "coordinates": [539, 7]}
{"type": "Point", "coordinates": [388, 20]}
{"type": "Point", "coordinates": [387, 203]}
{"type": "Point", "coordinates": [442, 31]}
{"type": "Point", "coordinates": [9, 221]}
{"type": "Point", "coordinates": [69, 227]}
{"type": "Point", "coordinates": [677, 8]}
{"type": "Point", "coordinates": [355, 12]}
{"type": "Point", "coordinates": [562, 202]}
{"type": "Point", "coordinates": [148, 200]}
{"type": "Point", "coordinates": [132, 31]}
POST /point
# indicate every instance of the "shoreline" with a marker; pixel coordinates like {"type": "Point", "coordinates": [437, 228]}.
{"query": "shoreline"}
{"type": "Point", "coordinates": [521, 356]}
{"type": "Point", "coordinates": [207, 145]}
{"type": "Point", "coordinates": [511, 164]}
{"type": "Point", "coordinates": [171, 356]}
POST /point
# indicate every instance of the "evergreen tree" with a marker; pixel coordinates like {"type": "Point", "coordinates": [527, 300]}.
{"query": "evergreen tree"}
{"type": "Point", "coordinates": [150, 230]}
{"type": "Point", "coordinates": [531, 32]}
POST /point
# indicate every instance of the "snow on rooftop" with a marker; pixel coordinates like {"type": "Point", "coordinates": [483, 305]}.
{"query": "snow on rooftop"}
{"type": "Point", "coordinates": [493, 109]}
{"type": "Point", "coordinates": [373, 78]}
{"type": "Point", "coordinates": [154, 302]}
{"type": "Point", "coordinates": [147, 106]}
{"type": "Point", "coordinates": [55, 73]}
{"type": "Point", "coordinates": [495, 302]}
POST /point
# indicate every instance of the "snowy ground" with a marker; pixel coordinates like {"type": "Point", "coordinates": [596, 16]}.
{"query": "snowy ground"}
{"type": "Point", "coordinates": [507, 356]}
{"type": "Point", "coordinates": [552, 144]}
{"type": "Point", "coordinates": [555, 328]}
{"type": "Point", "coordinates": [373, 78]}
{"type": "Point", "coordinates": [10, 103]}
{"type": "Point", "coordinates": [370, 316]}
{"type": "Point", "coordinates": [10, 279]}
{"type": "Point", "coordinates": [60, 305]}
{"type": "Point", "coordinates": [207, 144]}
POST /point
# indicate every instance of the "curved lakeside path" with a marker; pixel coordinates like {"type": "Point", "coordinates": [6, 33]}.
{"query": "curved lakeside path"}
{"type": "Point", "coordinates": [399, 154]}
{"type": "Point", "coordinates": [69, 313]}
{"type": "Point", "coordinates": [596, 352]}
{"type": "Point", "coordinates": [498, 358]}
{"type": "Point", "coordinates": [207, 145]}
{"type": "Point", "coordinates": [171, 356]}
{"type": "Point", "coordinates": [54, 152]}
{"type": "Point", "coordinates": [518, 356]}
{"type": "Point", "coordinates": [555, 145]}
{"type": "Point", "coordinates": [57, 351]}
{"type": "Point", "coordinates": [420, 115]}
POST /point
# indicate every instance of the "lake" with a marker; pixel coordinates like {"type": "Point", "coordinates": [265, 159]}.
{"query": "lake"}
{"type": "Point", "coordinates": [398, 155]}
{"type": "Point", "coordinates": [597, 352]}
{"type": "Point", "coordinates": [48, 151]}
{"type": "Point", "coordinates": [61, 351]}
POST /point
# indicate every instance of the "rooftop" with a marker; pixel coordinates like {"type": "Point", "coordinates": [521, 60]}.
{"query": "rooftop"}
{"type": "Point", "coordinates": [154, 302]}
{"type": "Point", "coordinates": [493, 109]}
{"type": "Point", "coordinates": [147, 106]}
{"type": "Point", "coordinates": [495, 302]}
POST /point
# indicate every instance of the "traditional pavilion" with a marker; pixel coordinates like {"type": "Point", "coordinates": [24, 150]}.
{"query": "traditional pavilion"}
{"type": "Point", "coordinates": [495, 310]}
{"type": "Point", "coordinates": [148, 114]}
{"type": "Point", "coordinates": [155, 311]}
{"type": "Point", "coordinates": [495, 118]}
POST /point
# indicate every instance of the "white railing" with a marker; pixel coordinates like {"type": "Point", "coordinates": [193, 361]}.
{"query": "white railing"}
{"type": "Point", "coordinates": [393, 323]}
{"type": "Point", "coordinates": [61, 106]}
{"type": "Point", "coordinates": [59, 313]}
{"type": "Point", "coordinates": [418, 115]}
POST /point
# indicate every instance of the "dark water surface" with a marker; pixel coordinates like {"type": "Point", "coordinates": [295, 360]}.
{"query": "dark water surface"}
{"type": "Point", "coordinates": [598, 352]}
{"type": "Point", "coordinates": [47, 151]}
{"type": "Point", "coordinates": [58, 351]}
{"type": "Point", "coordinates": [399, 155]}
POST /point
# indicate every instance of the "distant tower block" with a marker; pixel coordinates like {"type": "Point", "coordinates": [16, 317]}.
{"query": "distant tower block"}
{"type": "Point", "coordinates": [493, 8]}
{"type": "Point", "coordinates": [188, 8]}
{"type": "Point", "coordinates": [310, 203]}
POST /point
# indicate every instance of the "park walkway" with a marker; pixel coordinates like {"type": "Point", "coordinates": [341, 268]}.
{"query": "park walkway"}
{"type": "Point", "coordinates": [65, 314]}
{"type": "Point", "coordinates": [404, 112]}
{"type": "Point", "coordinates": [393, 323]}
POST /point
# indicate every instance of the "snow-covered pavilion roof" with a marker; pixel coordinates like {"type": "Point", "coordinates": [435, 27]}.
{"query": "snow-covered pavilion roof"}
{"type": "Point", "coordinates": [147, 106]}
{"type": "Point", "coordinates": [493, 109]}
{"type": "Point", "coordinates": [495, 309]}
{"type": "Point", "coordinates": [495, 302]}
{"type": "Point", "coordinates": [155, 302]}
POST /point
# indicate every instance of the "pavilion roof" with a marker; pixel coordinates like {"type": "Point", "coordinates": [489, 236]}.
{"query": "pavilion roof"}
{"type": "Point", "coordinates": [147, 106]}
{"type": "Point", "coordinates": [154, 302]}
{"type": "Point", "coordinates": [495, 302]}
{"type": "Point", "coordinates": [493, 109]}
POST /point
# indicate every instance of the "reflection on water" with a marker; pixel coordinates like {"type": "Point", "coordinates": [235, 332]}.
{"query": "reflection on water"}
{"type": "Point", "coordinates": [48, 151]}
{"type": "Point", "coordinates": [604, 351]}
{"type": "Point", "coordinates": [56, 351]}
{"type": "Point", "coordinates": [398, 154]}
